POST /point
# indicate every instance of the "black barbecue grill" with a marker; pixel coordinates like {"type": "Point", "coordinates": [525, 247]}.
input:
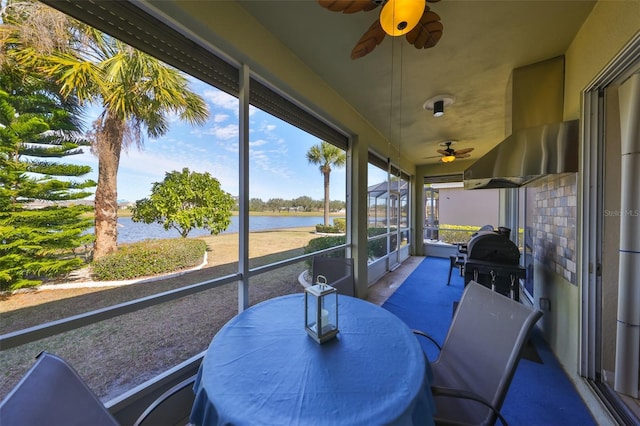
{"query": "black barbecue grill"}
{"type": "Point", "coordinates": [493, 260]}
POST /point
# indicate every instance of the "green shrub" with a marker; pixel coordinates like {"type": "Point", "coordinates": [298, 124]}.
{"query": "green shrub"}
{"type": "Point", "coordinates": [331, 229]}
{"type": "Point", "coordinates": [378, 248]}
{"type": "Point", "coordinates": [326, 229]}
{"type": "Point", "coordinates": [456, 233]}
{"type": "Point", "coordinates": [322, 243]}
{"type": "Point", "coordinates": [149, 257]}
{"type": "Point", "coordinates": [339, 227]}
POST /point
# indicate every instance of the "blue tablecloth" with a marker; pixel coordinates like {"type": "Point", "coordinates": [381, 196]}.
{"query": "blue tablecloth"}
{"type": "Point", "coordinates": [263, 369]}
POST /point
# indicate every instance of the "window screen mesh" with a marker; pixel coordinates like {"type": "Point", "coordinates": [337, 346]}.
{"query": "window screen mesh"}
{"type": "Point", "coordinates": [134, 26]}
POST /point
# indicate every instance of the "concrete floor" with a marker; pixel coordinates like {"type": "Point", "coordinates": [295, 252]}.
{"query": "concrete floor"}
{"type": "Point", "coordinates": [380, 291]}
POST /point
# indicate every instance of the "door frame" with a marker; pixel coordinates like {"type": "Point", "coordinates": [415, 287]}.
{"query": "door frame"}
{"type": "Point", "coordinates": [591, 224]}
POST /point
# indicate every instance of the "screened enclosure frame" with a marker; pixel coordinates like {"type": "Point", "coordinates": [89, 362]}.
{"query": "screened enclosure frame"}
{"type": "Point", "coordinates": [152, 35]}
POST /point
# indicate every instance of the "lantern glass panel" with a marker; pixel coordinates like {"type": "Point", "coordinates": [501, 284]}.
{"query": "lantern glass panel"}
{"type": "Point", "coordinates": [329, 311]}
{"type": "Point", "coordinates": [321, 312]}
{"type": "Point", "coordinates": [311, 311]}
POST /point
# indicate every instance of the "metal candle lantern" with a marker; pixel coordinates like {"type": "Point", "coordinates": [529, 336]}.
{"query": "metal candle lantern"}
{"type": "Point", "coordinates": [321, 310]}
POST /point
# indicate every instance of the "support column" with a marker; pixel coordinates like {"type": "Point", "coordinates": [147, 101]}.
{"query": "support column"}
{"type": "Point", "coordinates": [419, 216]}
{"type": "Point", "coordinates": [357, 200]}
{"type": "Point", "coordinates": [628, 324]}
{"type": "Point", "coordinates": [243, 201]}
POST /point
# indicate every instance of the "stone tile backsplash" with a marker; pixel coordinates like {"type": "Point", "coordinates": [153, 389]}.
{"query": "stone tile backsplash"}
{"type": "Point", "coordinates": [555, 221]}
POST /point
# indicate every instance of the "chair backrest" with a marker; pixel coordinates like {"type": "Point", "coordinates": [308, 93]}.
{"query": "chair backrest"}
{"type": "Point", "coordinates": [481, 352]}
{"type": "Point", "coordinates": [338, 271]}
{"type": "Point", "coordinates": [172, 407]}
{"type": "Point", "coordinates": [52, 393]}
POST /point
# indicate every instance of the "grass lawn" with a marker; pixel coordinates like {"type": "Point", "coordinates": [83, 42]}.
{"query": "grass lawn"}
{"type": "Point", "coordinates": [117, 354]}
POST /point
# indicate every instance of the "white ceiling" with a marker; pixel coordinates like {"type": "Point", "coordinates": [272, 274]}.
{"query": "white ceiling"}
{"type": "Point", "coordinates": [483, 41]}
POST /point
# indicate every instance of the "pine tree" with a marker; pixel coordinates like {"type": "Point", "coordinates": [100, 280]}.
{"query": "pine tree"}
{"type": "Point", "coordinates": [37, 127]}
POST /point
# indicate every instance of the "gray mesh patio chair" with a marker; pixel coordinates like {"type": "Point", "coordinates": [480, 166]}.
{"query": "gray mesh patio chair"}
{"type": "Point", "coordinates": [52, 393]}
{"type": "Point", "coordinates": [172, 408]}
{"type": "Point", "coordinates": [338, 271]}
{"type": "Point", "coordinates": [479, 356]}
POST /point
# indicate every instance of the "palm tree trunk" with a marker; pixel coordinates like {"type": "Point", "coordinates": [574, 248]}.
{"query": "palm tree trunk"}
{"type": "Point", "coordinates": [109, 146]}
{"type": "Point", "coordinates": [326, 198]}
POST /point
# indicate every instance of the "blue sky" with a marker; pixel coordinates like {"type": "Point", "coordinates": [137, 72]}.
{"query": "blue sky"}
{"type": "Point", "coordinates": [278, 165]}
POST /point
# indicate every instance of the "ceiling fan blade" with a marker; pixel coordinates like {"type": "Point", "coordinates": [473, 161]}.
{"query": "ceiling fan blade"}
{"type": "Point", "coordinates": [428, 31]}
{"type": "Point", "coordinates": [433, 156]}
{"type": "Point", "coordinates": [443, 151]}
{"type": "Point", "coordinates": [463, 151]}
{"type": "Point", "coordinates": [373, 37]}
{"type": "Point", "coordinates": [348, 6]}
{"type": "Point", "coordinates": [462, 155]}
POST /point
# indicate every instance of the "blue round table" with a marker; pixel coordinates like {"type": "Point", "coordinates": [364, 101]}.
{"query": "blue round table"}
{"type": "Point", "coordinates": [263, 369]}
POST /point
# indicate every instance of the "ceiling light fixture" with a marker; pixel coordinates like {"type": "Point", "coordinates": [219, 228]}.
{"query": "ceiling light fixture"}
{"type": "Point", "coordinates": [438, 108]}
{"type": "Point", "coordinates": [398, 17]}
{"type": "Point", "coordinates": [447, 158]}
{"type": "Point", "coordinates": [437, 104]}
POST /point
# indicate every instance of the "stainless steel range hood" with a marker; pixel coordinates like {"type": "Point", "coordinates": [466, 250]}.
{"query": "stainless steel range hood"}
{"type": "Point", "coordinates": [540, 143]}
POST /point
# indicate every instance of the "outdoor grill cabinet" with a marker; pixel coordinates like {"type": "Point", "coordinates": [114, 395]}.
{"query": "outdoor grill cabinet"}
{"type": "Point", "coordinates": [503, 278]}
{"type": "Point", "coordinates": [493, 260]}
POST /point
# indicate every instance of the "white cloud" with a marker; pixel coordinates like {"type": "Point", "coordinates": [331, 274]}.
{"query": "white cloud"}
{"type": "Point", "coordinates": [219, 118]}
{"type": "Point", "coordinates": [232, 147]}
{"type": "Point", "coordinates": [270, 161]}
{"type": "Point", "coordinates": [172, 117]}
{"type": "Point", "coordinates": [221, 99]}
{"type": "Point", "coordinates": [226, 133]}
{"type": "Point", "coordinates": [139, 170]}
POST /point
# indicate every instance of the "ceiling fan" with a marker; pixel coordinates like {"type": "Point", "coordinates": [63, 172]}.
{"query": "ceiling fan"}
{"type": "Point", "coordinates": [423, 29]}
{"type": "Point", "coordinates": [448, 154]}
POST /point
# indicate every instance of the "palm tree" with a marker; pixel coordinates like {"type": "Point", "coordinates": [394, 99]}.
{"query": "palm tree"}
{"type": "Point", "coordinates": [136, 92]}
{"type": "Point", "coordinates": [326, 155]}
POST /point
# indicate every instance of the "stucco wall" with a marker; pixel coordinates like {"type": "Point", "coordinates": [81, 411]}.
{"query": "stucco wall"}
{"type": "Point", "coordinates": [609, 27]}
{"type": "Point", "coordinates": [561, 313]}
{"type": "Point", "coordinates": [463, 207]}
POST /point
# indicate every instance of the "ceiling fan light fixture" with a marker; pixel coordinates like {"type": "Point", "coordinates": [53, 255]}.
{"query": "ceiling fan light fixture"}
{"type": "Point", "coordinates": [398, 17]}
{"type": "Point", "coordinates": [448, 158]}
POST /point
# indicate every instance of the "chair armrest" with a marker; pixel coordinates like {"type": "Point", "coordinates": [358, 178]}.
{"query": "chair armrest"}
{"type": "Point", "coordinates": [423, 334]}
{"type": "Point", "coordinates": [464, 394]}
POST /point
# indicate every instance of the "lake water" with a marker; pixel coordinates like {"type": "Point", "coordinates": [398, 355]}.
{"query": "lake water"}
{"type": "Point", "coordinates": [130, 231]}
